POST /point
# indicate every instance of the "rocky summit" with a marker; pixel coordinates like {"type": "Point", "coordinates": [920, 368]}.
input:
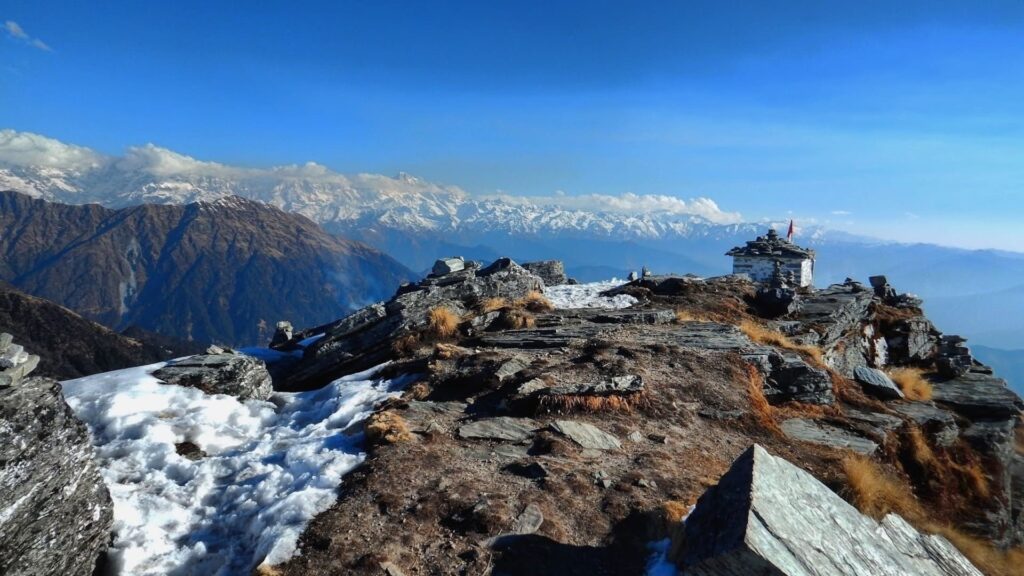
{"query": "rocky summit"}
{"type": "Point", "coordinates": [507, 423]}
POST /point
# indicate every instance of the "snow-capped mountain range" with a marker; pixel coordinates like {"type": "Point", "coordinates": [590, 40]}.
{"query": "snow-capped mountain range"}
{"type": "Point", "coordinates": [56, 171]}
{"type": "Point", "coordinates": [415, 221]}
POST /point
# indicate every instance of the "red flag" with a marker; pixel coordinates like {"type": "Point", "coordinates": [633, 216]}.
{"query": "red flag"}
{"type": "Point", "coordinates": [789, 235]}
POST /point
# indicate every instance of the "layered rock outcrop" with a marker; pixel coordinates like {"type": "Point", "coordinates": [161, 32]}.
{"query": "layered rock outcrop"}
{"type": "Point", "coordinates": [55, 512]}
{"type": "Point", "coordinates": [243, 377]}
{"type": "Point", "coordinates": [366, 338]}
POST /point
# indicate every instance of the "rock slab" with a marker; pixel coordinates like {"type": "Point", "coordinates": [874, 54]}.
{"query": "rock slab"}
{"type": "Point", "coordinates": [588, 436]}
{"type": "Point", "coordinates": [876, 383]}
{"type": "Point", "coordinates": [55, 512]}
{"type": "Point", "coordinates": [767, 516]}
{"type": "Point", "coordinates": [500, 428]}
{"type": "Point", "coordinates": [243, 377]}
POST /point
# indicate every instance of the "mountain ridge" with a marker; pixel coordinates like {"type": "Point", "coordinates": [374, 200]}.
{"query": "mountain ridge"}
{"type": "Point", "coordinates": [206, 271]}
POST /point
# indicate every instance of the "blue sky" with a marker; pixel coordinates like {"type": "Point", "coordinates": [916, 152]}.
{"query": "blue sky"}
{"type": "Point", "coordinates": [902, 120]}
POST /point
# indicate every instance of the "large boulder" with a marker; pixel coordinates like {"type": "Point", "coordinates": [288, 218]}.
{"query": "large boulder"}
{"type": "Point", "coordinates": [769, 517]}
{"type": "Point", "coordinates": [243, 377]}
{"type": "Point", "coordinates": [552, 272]}
{"type": "Point", "coordinates": [55, 512]}
{"type": "Point", "coordinates": [791, 378]}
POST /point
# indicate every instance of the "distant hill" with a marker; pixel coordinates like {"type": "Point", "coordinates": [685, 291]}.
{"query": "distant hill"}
{"type": "Point", "coordinates": [70, 346]}
{"type": "Point", "coordinates": [221, 271]}
{"type": "Point", "coordinates": [1008, 364]}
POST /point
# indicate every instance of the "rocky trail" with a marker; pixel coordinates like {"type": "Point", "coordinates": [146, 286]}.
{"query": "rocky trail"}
{"type": "Point", "coordinates": [669, 423]}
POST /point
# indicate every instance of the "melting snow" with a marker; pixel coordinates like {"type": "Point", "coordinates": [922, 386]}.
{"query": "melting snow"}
{"type": "Point", "coordinates": [270, 467]}
{"type": "Point", "coordinates": [588, 295]}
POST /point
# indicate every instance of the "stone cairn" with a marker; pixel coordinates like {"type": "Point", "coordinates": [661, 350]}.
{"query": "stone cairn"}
{"type": "Point", "coordinates": [15, 362]}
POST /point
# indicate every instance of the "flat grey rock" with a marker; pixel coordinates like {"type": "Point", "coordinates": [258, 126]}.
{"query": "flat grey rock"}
{"type": "Point", "coordinates": [529, 521]}
{"type": "Point", "coordinates": [876, 383]}
{"type": "Point", "coordinates": [586, 435]}
{"type": "Point", "coordinates": [767, 516]}
{"type": "Point", "coordinates": [978, 395]}
{"type": "Point", "coordinates": [499, 428]}
{"type": "Point", "coordinates": [828, 435]}
{"type": "Point", "coordinates": [510, 368]}
{"type": "Point", "coordinates": [243, 377]}
{"type": "Point", "coordinates": [616, 385]}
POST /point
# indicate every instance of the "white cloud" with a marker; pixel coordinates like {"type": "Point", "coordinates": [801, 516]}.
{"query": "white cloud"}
{"type": "Point", "coordinates": [841, 213]}
{"type": "Point", "coordinates": [631, 203]}
{"type": "Point", "coordinates": [159, 161]}
{"type": "Point", "coordinates": [28, 149]}
{"type": "Point", "coordinates": [14, 30]}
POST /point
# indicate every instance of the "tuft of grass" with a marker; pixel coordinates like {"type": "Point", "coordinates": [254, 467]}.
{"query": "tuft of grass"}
{"type": "Point", "coordinates": [763, 412]}
{"type": "Point", "coordinates": [443, 351]}
{"type": "Point", "coordinates": [920, 450]}
{"type": "Point", "coordinates": [683, 315]}
{"type": "Point", "coordinates": [515, 319]}
{"type": "Point", "coordinates": [418, 391]}
{"type": "Point", "coordinates": [492, 304]}
{"type": "Point", "coordinates": [876, 492]}
{"type": "Point", "coordinates": [387, 428]}
{"type": "Point", "coordinates": [764, 335]}
{"type": "Point", "coordinates": [534, 301]}
{"type": "Point", "coordinates": [442, 323]}
{"type": "Point", "coordinates": [912, 382]}
{"type": "Point", "coordinates": [405, 346]}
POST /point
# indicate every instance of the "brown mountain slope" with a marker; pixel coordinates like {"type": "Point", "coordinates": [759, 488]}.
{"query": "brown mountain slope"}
{"type": "Point", "coordinates": [211, 271]}
{"type": "Point", "coordinates": [70, 346]}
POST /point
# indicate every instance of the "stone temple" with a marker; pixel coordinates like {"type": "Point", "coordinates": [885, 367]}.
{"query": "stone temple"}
{"type": "Point", "coordinates": [759, 257]}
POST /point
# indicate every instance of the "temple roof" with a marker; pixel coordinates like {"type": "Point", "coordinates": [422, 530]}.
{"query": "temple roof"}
{"type": "Point", "coordinates": [771, 245]}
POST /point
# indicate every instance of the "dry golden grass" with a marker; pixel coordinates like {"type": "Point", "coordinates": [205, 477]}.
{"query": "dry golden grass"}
{"type": "Point", "coordinates": [442, 323]}
{"type": "Point", "coordinates": [405, 346]}
{"type": "Point", "coordinates": [975, 483]}
{"type": "Point", "coordinates": [534, 301]}
{"type": "Point", "coordinates": [564, 404]}
{"type": "Point", "coordinates": [387, 428]}
{"type": "Point", "coordinates": [763, 412]}
{"type": "Point", "coordinates": [418, 391]}
{"type": "Point", "coordinates": [515, 319]}
{"type": "Point", "coordinates": [492, 304]}
{"type": "Point", "coordinates": [921, 451]}
{"type": "Point", "coordinates": [876, 493]}
{"type": "Point", "coordinates": [763, 335]}
{"type": "Point", "coordinates": [912, 382]}
{"type": "Point", "coordinates": [443, 351]}
{"type": "Point", "coordinates": [683, 315]}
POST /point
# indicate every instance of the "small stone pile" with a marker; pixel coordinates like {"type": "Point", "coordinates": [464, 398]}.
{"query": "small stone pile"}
{"type": "Point", "coordinates": [15, 362]}
{"type": "Point", "coordinates": [954, 357]}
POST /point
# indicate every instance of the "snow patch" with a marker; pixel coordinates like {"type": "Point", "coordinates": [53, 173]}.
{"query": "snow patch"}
{"type": "Point", "coordinates": [568, 296]}
{"type": "Point", "coordinates": [658, 564]}
{"type": "Point", "coordinates": [269, 468]}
